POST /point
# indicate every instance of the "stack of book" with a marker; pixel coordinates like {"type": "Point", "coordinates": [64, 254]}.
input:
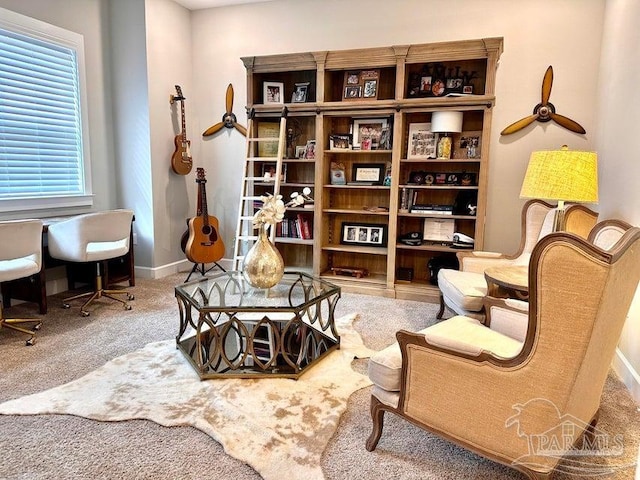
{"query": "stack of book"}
{"type": "Point", "coordinates": [432, 209]}
{"type": "Point", "coordinates": [299, 227]}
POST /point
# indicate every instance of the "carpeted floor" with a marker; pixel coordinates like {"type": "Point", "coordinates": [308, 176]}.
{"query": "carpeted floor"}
{"type": "Point", "coordinates": [65, 447]}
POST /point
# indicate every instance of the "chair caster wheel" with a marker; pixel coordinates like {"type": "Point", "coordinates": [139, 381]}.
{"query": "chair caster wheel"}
{"type": "Point", "coordinates": [30, 342]}
{"type": "Point", "coordinates": [66, 305]}
{"type": "Point", "coordinates": [37, 326]}
{"type": "Point", "coordinates": [84, 313]}
{"type": "Point", "coordinates": [127, 307]}
{"type": "Point", "coordinates": [130, 296]}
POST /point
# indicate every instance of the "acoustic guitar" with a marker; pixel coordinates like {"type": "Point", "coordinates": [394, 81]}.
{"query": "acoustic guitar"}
{"type": "Point", "coordinates": [204, 245]}
{"type": "Point", "coordinates": [181, 162]}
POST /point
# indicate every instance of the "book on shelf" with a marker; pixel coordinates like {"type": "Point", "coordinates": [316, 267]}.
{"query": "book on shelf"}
{"type": "Point", "coordinates": [432, 209]}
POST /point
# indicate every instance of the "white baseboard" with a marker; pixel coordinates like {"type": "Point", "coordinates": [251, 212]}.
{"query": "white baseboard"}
{"type": "Point", "coordinates": [175, 267]}
{"type": "Point", "coordinates": [627, 374]}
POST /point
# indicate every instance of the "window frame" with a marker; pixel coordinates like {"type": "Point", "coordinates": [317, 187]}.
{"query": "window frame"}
{"type": "Point", "coordinates": [46, 32]}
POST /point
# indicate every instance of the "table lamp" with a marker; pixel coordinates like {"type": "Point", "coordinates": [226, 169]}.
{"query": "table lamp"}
{"type": "Point", "coordinates": [564, 176]}
{"type": "Point", "coordinates": [445, 122]}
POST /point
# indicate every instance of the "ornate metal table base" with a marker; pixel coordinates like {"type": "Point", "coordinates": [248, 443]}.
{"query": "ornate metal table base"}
{"type": "Point", "coordinates": [229, 329]}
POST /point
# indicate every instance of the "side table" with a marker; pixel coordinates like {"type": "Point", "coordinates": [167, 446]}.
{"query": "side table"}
{"type": "Point", "coordinates": [508, 282]}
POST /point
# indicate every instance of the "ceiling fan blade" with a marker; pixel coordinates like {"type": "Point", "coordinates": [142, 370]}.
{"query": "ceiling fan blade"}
{"type": "Point", "coordinates": [213, 129]}
{"type": "Point", "coordinates": [519, 125]}
{"type": "Point", "coordinates": [567, 123]}
{"type": "Point", "coordinates": [547, 82]}
{"type": "Point", "coordinates": [240, 128]}
{"type": "Point", "coordinates": [229, 98]}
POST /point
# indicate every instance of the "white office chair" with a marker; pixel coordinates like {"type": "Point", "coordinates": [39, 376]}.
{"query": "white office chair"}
{"type": "Point", "coordinates": [94, 237]}
{"type": "Point", "coordinates": [20, 257]}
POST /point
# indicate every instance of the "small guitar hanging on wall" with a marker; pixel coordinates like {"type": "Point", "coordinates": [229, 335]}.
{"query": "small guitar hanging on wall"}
{"type": "Point", "coordinates": [204, 245]}
{"type": "Point", "coordinates": [181, 162]}
{"type": "Point", "coordinates": [544, 111]}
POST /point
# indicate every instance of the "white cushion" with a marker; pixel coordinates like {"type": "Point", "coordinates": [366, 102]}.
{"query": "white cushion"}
{"type": "Point", "coordinates": [18, 268]}
{"type": "Point", "coordinates": [465, 290]}
{"type": "Point", "coordinates": [459, 334]}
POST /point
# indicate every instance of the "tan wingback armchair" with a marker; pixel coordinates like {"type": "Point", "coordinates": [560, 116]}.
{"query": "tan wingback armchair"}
{"type": "Point", "coordinates": [496, 389]}
{"type": "Point", "coordinates": [463, 290]}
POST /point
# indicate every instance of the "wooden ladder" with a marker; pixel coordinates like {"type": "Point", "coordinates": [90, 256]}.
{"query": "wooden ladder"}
{"type": "Point", "coordinates": [245, 233]}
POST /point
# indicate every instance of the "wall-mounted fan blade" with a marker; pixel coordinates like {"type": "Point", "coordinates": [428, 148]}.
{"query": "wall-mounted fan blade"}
{"type": "Point", "coordinates": [240, 128]}
{"type": "Point", "coordinates": [547, 83]}
{"type": "Point", "coordinates": [229, 99]}
{"type": "Point", "coordinates": [519, 125]}
{"type": "Point", "coordinates": [213, 129]}
{"type": "Point", "coordinates": [567, 123]}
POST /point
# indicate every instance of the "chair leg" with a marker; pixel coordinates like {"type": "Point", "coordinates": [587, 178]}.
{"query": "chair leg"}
{"type": "Point", "coordinates": [97, 293]}
{"type": "Point", "coordinates": [377, 416]}
{"type": "Point", "coordinates": [441, 312]}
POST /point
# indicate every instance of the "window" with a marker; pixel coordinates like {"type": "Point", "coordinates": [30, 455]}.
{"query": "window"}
{"type": "Point", "coordinates": [44, 161]}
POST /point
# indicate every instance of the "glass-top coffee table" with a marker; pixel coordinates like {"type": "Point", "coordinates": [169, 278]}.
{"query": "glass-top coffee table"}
{"type": "Point", "coordinates": [229, 329]}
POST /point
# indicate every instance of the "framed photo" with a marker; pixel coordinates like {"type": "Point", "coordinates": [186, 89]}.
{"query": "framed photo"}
{"type": "Point", "coordinates": [310, 150]}
{"type": "Point", "coordinates": [340, 142]}
{"type": "Point", "coordinates": [273, 93]}
{"type": "Point", "coordinates": [300, 151]}
{"type": "Point", "coordinates": [268, 130]}
{"type": "Point", "coordinates": [300, 93]}
{"type": "Point", "coordinates": [269, 172]}
{"type": "Point", "coordinates": [352, 91]}
{"type": "Point", "coordinates": [369, 173]}
{"type": "Point", "coordinates": [370, 130]}
{"type": "Point", "coordinates": [365, 234]}
{"type": "Point", "coordinates": [370, 89]}
{"type": "Point", "coordinates": [467, 144]}
{"type": "Point", "coordinates": [422, 141]}
{"type": "Point", "coordinates": [338, 175]}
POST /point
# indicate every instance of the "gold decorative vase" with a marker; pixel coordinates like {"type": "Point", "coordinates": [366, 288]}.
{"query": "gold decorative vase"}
{"type": "Point", "coordinates": [263, 266]}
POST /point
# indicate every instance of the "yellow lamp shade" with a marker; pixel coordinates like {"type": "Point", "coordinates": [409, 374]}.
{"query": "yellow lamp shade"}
{"type": "Point", "coordinates": [562, 175]}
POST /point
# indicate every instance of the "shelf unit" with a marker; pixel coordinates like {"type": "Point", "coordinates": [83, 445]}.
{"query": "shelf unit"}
{"type": "Point", "coordinates": [407, 90]}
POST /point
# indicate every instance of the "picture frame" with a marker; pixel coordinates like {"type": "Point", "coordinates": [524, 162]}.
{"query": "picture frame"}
{"type": "Point", "coordinates": [467, 144]}
{"type": "Point", "coordinates": [310, 150]}
{"type": "Point", "coordinates": [300, 151]}
{"type": "Point", "coordinates": [340, 142]}
{"type": "Point", "coordinates": [453, 178]}
{"type": "Point", "coordinates": [269, 172]}
{"type": "Point", "coordinates": [273, 93]}
{"type": "Point", "coordinates": [364, 234]}
{"type": "Point", "coordinates": [338, 174]}
{"type": "Point", "coordinates": [368, 128]}
{"type": "Point", "coordinates": [352, 91]}
{"type": "Point", "coordinates": [370, 89]}
{"type": "Point", "coordinates": [368, 173]}
{"type": "Point", "coordinates": [300, 93]}
{"type": "Point", "coordinates": [422, 142]}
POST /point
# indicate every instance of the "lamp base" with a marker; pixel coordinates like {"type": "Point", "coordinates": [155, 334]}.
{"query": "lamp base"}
{"type": "Point", "coordinates": [558, 219]}
{"type": "Point", "coordinates": [444, 147]}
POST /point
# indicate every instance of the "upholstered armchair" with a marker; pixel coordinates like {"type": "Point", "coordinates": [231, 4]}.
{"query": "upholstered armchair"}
{"type": "Point", "coordinates": [463, 290]}
{"type": "Point", "coordinates": [533, 373]}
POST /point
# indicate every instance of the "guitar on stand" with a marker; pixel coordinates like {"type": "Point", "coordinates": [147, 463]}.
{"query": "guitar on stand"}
{"type": "Point", "coordinates": [203, 244]}
{"type": "Point", "coordinates": [181, 162]}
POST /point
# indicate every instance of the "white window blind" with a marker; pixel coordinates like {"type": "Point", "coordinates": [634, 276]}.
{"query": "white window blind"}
{"type": "Point", "coordinates": [41, 129]}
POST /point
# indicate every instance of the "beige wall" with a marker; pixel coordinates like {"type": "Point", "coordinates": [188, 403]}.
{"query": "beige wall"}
{"type": "Point", "coordinates": [619, 168]}
{"type": "Point", "coordinates": [562, 33]}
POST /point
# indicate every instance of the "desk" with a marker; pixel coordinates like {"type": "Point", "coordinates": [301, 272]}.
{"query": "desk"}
{"type": "Point", "coordinates": [508, 282]}
{"type": "Point", "coordinates": [34, 288]}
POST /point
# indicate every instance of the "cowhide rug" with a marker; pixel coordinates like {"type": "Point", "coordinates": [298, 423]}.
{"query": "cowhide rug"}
{"type": "Point", "coordinates": [275, 425]}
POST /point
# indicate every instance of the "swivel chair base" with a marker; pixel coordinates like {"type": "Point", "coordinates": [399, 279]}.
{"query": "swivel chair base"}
{"type": "Point", "coordinates": [99, 292]}
{"type": "Point", "coordinates": [18, 323]}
